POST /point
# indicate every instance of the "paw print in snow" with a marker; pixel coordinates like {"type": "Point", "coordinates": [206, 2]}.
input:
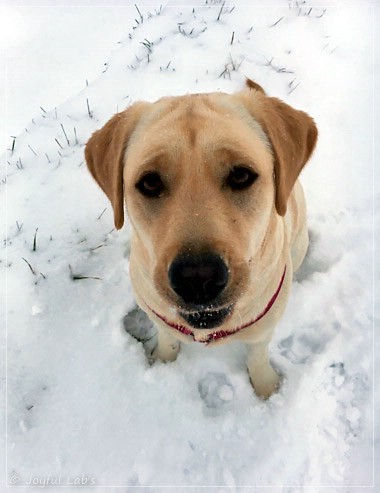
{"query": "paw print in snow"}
{"type": "Point", "coordinates": [215, 390]}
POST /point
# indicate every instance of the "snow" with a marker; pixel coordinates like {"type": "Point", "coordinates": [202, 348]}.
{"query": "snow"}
{"type": "Point", "coordinates": [84, 406]}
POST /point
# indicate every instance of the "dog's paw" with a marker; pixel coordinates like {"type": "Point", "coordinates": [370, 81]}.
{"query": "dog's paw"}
{"type": "Point", "coordinates": [266, 384]}
{"type": "Point", "coordinates": [165, 354]}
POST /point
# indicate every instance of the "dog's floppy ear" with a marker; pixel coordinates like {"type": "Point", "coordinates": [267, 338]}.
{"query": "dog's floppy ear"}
{"type": "Point", "coordinates": [105, 156]}
{"type": "Point", "coordinates": [292, 133]}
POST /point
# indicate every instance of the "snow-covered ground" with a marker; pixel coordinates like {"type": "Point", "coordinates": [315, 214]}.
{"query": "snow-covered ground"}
{"type": "Point", "coordinates": [83, 405]}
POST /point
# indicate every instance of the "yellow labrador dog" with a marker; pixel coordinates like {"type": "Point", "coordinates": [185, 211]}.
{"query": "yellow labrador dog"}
{"type": "Point", "coordinates": [217, 213]}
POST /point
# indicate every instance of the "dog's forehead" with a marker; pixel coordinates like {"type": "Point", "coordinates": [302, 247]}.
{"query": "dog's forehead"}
{"type": "Point", "coordinates": [207, 106]}
{"type": "Point", "coordinates": [188, 108]}
{"type": "Point", "coordinates": [196, 121]}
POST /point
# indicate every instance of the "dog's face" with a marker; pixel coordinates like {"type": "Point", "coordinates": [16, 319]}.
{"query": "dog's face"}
{"type": "Point", "coordinates": [205, 178]}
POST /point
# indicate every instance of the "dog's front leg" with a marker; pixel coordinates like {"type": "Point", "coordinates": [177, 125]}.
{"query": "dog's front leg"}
{"type": "Point", "coordinates": [167, 348]}
{"type": "Point", "coordinates": [265, 380]}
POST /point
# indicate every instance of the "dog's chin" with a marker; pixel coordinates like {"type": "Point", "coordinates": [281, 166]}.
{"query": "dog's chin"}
{"type": "Point", "coordinates": [207, 319]}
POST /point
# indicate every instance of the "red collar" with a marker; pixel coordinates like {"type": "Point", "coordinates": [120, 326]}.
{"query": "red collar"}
{"type": "Point", "coordinates": [220, 334]}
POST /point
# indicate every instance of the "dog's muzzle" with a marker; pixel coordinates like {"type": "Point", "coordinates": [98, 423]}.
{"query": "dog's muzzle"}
{"type": "Point", "coordinates": [199, 280]}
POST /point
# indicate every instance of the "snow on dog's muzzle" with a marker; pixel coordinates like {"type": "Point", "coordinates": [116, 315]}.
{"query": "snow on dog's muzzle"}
{"type": "Point", "coordinates": [207, 319]}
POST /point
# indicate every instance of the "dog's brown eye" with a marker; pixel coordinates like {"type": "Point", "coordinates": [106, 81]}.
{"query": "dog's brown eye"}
{"type": "Point", "coordinates": [150, 185]}
{"type": "Point", "coordinates": [241, 177]}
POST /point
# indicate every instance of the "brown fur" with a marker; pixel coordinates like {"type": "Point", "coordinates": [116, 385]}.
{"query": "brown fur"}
{"type": "Point", "coordinates": [105, 156]}
{"type": "Point", "coordinates": [283, 123]}
{"type": "Point", "coordinates": [254, 85]}
{"type": "Point", "coordinates": [192, 142]}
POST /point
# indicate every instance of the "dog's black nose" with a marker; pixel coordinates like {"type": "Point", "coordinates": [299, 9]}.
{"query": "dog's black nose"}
{"type": "Point", "coordinates": [198, 279]}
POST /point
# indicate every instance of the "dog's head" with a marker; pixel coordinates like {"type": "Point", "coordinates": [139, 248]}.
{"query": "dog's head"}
{"type": "Point", "coordinates": [204, 178]}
